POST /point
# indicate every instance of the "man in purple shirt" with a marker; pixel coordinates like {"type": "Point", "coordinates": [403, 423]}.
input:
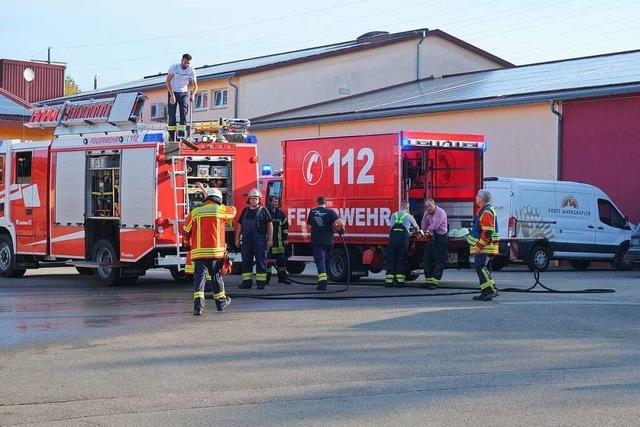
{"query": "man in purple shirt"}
{"type": "Point", "coordinates": [434, 224]}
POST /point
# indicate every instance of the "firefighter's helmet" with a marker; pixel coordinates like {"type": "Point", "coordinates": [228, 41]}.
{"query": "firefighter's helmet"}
{"type": "Point", "coordinates": [255, 193]}
{"type": "Point", "coordinates": [215, 194]}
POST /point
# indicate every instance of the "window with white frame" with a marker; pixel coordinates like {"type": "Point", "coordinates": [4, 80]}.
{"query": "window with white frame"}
{"type": "Point", "coordinates": [219, 98]}
{"type": "Point", "coordinates": [201, 101]}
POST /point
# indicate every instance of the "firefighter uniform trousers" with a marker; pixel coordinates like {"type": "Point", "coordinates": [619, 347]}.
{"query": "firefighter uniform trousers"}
{"type": "Point", "coordinates": [254, 245]}
{"type": "Point", "coordinates": [321, 257]}
{"type": "Point", "coordinates": [277, 252]}
{"type": "Point", "coordinates": [397, 254]}
{"type": "Point", "coordinates": [435, 257]}
{"type": "Point", "coordinates": [182, 103]}
{"type": "Point", "coordinates": [208, 269]}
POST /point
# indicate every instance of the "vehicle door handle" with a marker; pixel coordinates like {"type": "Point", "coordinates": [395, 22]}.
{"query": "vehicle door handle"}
{"type": "Point", "coordinates": [590, 226]}
{"type": "Point", "coordinates": [600, 228]}
{"type": "Point", "coordinates": [28, 211]}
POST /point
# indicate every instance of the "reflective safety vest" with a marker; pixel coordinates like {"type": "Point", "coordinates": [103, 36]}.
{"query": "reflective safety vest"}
{"type": "Point", "coordinates": [397, 220]}
{"type": "Point", "coordinates": [205, 227]}
{"type": "Point", "coordinates": [484, 232]}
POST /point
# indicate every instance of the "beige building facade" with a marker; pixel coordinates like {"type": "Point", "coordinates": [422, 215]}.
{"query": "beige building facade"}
{"type": "Point", "coordinates": [521, 140]}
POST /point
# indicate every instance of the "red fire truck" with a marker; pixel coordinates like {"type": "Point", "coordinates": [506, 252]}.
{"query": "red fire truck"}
{"type": "Point", "coordinates": [109, 194]}
{"type": "Point", "coordinates": [365, 177]}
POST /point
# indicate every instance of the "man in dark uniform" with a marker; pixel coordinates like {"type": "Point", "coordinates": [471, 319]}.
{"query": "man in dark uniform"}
{"type": "Point", "coordinates": [322, 222]}
{"type": "Point", "coordinates": [280, 234]}
{"type": "Point", "coordinates": [256, 230]}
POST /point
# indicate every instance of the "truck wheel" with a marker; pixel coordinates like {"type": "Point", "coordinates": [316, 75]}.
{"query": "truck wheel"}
{"type": "Point", "coordinates": [179, 276]}
{"type": "Point", "coordinates": [236, 268]}
{"type": "Point", "coordinates": [104, 253]}
{"type": "Point", "coordinates": [8, 259]}
{"type": "Point", "coordinates": [296, 267]}
{"type": "Point", "coordinates": [622, 260]}
{"type": "Point", "coordinates": [580, 264]}
{"type": "Point", "coordinates": [338, 265]}
{"type": "Point", "coordinates": [539, 258]}
{"type": "Point", "coordinates": [84, 271]}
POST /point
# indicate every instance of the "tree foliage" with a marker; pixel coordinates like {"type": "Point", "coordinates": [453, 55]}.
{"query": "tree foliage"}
{"type": "Point", "coordinates": [70, 86]}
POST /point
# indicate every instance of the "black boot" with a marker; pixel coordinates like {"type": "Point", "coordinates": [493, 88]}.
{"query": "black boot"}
{"type": "Point", "coordinates": [493, 292]}
{"type": "Point", "coordinates": [483, 294]}
{"type": "Point", "coordinates": [322, 285]}
{"type": "Point", "coordinates": [222, 303]}
{"type": "Point", "coordinates": [282, 278]}
{"type": "Point", "coordinates": [246, 284]}
{"type": "Point", "coordinates": [198, 306]}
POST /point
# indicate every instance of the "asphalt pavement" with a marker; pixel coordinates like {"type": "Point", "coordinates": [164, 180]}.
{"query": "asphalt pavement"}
{"type": "Point", "coordinates": [75, 353]}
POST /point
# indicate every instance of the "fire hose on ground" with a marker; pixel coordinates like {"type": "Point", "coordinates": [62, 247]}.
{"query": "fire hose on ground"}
{"type": "Point", "coordinates": [335, 295]}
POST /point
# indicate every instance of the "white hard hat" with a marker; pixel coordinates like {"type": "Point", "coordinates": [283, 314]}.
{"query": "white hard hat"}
{"type": "Point", "coordinates": [214, 194]}
{"type": "Point", "coordinates": [255, 193]}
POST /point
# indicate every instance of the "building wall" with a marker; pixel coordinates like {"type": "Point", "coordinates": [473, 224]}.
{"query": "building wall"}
{"type": "Point", "coordinates": [48, 82]}
{"type": "Point", "coordinates": [352, 73]}
{"type": "Point", "coordinates": [311, 82]}
{"type": "Point", "coordinates": [15, 130]}
{"type": "Point", "coordinates": [522, 140]}
{"type": "Point", "coordinates": [601, 146]}
{"type": "Point", "coordinates": [440, 57]}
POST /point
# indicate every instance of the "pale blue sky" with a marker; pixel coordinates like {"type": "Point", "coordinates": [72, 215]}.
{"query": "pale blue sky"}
{"type": "Point", "coordinates": [124, 40]}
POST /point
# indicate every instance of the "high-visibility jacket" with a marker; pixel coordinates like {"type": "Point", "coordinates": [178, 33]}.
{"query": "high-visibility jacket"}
{"type": "Point", "coordinates": [484, 237]}
{"type": "Point", "coordinates": [205, 227]}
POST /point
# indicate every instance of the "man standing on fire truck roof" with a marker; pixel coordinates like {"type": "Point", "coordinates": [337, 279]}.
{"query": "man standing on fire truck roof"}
{"type": "Point", "coordinates": [204, 229]}
{"type": "Point", "coordinates": [178, 79]}
{"type": "Point", "coordinates": [322, 221]}
{"type": "Point", "coordinates": [256, 229]}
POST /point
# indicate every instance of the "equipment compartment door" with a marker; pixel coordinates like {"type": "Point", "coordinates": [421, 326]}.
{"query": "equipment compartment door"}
{"type": "Point", "coordinates": [138, 190]}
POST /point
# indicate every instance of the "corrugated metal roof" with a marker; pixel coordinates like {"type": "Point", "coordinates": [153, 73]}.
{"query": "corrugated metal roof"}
{"type": "Point", "coordinates": [613, 73]}
{"type": "Point", "coordinates": [9, 107]}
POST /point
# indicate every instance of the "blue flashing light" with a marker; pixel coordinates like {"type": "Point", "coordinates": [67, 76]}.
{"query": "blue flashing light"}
{"type": "Point", "coordinates": [404, 142]}
{"type": "Point", "coordinates": [485, 146]}
{"type": "Point", "coordinates": [252, 139]}
{"type": "Point", "coordinates": [152, 137]}
{"type": "Point", "coordinates": [266, 170]}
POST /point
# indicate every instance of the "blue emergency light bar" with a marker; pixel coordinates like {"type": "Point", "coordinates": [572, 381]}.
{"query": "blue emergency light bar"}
{"type": "Point", "coordinates": [266, 170]}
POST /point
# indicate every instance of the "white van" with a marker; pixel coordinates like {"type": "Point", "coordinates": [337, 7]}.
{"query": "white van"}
{"type": "Point", "coordinates": [560, 220]}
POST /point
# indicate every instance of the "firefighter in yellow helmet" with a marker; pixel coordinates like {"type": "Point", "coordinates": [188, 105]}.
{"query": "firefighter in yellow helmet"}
{"type": "Point", "coordinates": [204, 229]}
{"type": "Point", "coordinates": [484, 239]}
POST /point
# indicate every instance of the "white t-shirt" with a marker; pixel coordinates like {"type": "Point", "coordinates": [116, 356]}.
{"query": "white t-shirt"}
{"type": "Point", "coordinates": [181, 77]}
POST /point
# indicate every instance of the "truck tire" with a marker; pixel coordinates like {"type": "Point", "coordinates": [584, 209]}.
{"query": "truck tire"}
{"type": "Point", "coordinates": [338, 265]}
{"type": "Point", "coordinates": [8, 259]}
{"type": "Point", "coordinates": [296, 267]}
{"type": "Point", "coordinates": [580, 264]}
{"type": "Point", "coordinates": [105, 253]}
{"type": "Point", "coordinates": [180, 276]}
{"type": "Point", "coordinates": [84, 271]}
{"type": "Point", "coordinates": [498, 263]}
{"type": "Point", "coordinates": [539, 258]}
{"type": "Point", "coordinates": [622, 260]}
